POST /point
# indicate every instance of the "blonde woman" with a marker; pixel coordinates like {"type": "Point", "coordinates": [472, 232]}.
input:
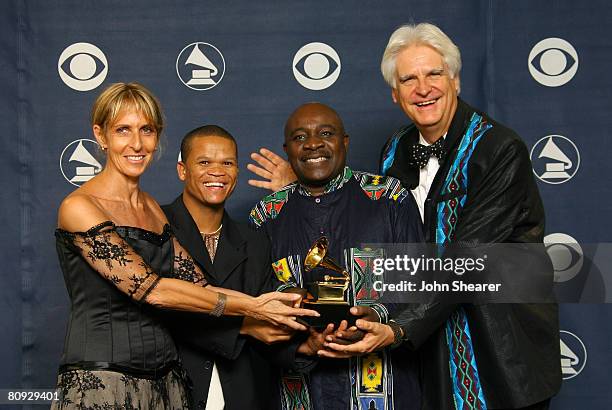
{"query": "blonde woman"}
{"type": "Point", "coordinates": [121, 264]}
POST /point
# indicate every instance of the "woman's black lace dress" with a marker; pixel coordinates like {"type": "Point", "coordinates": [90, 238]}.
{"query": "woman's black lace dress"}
{"type": "Point", "coordinates": [117, 352]}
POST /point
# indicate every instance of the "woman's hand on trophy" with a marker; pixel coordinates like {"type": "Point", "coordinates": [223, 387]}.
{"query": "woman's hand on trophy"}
{"type": "Point", "coordinates": [265, 332]}
{"type": "Point", "coordinates": [377, 336]}
{"type": "Point", "coordinates": [274, 169]}
{"type": "Point", "coordinates": [278, 309]}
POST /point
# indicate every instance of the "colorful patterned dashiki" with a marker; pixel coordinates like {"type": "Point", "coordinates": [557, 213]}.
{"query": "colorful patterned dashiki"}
{"type": "Point", "coordinates": [357, 208]}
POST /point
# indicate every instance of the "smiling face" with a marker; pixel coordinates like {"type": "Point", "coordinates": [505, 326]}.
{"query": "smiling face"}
{"type": "Point", "coordinates": [210, 171]}
{"type": "Point", "coordinates": [129, 142]}
{"type": "Point", "coordinates": [316, 145]}
{"type": "Point", "coordinates": [425, 90]}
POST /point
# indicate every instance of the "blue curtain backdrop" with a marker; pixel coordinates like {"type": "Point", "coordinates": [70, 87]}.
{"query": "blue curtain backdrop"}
{"type": "Point", "coordinates": [542, 68]}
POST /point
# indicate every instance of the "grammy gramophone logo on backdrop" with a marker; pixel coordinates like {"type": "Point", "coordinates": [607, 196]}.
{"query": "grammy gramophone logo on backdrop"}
{"type": "Point", "coordinates": [200, 66]}
{"type": "Point", "coordinates": [555, 159]}
{"type": "Point", "coordinates": [77, 162]}
{"type": "Point", "coordinates": [573, 354]}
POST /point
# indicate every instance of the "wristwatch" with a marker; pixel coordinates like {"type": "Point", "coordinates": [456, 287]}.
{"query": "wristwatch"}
{"type": "Point", "coordinates": [398, 334]}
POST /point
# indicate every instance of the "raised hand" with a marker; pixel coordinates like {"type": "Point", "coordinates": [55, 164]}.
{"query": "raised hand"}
{"type": "Point", "coordinates": [275, 170]}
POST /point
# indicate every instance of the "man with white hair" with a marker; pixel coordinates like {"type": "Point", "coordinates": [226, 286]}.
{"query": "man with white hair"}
{"type": "Point", "coordinates": [473, 183]}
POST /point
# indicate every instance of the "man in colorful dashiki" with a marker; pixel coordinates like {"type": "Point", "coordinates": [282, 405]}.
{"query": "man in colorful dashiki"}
{"type": "Point", "coordinates": [350, 208]}
{"type": "Point", "coordinates": [226, 358]}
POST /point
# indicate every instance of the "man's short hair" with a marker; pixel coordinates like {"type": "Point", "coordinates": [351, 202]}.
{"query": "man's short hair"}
{"type": "Point", "coordinates": [327, 107]}
{"type": "Point", "coordinates": [425, 34]}
{"type": "Point", "coordinates": [204, 131]}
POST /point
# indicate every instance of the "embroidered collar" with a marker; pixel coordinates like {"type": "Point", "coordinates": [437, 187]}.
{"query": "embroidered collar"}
{"type": "Point", "coordinates": [333, 185]}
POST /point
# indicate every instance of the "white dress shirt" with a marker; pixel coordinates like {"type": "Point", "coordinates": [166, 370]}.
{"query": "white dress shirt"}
{"type": "Point", "coordinates": [426, 177]}
{"type": "Point", "coordinates": [215, 399]}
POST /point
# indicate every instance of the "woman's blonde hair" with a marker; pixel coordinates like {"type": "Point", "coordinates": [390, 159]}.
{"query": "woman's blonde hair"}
{"type": "Point", "coordinates": [119, 96]}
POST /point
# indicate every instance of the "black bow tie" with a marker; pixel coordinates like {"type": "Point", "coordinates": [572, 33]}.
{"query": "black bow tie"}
{"type": "Point", "coordinates": [420, 154]}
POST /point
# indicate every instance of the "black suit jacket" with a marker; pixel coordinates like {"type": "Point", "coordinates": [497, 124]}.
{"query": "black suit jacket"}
{"type": "Point", "coordinates": [516, 345]}
{"type": "Point", "coordinates": [242, 262]}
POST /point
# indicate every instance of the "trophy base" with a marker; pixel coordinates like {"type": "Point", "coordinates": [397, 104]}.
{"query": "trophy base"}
{"type": "Point", "coordinates": [330, 313]}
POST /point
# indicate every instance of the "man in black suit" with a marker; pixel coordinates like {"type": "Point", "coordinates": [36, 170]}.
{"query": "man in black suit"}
{"type": "Point", "coordinates": [225, 357]}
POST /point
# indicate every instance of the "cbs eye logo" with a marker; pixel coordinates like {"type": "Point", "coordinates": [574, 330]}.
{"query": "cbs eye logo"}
{"type": "Point", "coordinates": [566, 255]}
{"type": "Point", "coordinates": [553, 62]}
{"type": "Point", "coordinates": [316, 66]}
{"type": "Point", "coordinates": [82, 66]}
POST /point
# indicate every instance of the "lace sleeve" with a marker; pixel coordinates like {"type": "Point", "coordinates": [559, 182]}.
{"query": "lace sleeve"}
{"type": "Point", "coordinates": [185, 268]}
{"type": "Point", "coordinates": [115, 260]}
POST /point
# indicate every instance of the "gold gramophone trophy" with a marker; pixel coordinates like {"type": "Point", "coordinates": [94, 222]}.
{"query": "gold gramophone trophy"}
{"type": "Point", "coordinates": [327, 297]}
